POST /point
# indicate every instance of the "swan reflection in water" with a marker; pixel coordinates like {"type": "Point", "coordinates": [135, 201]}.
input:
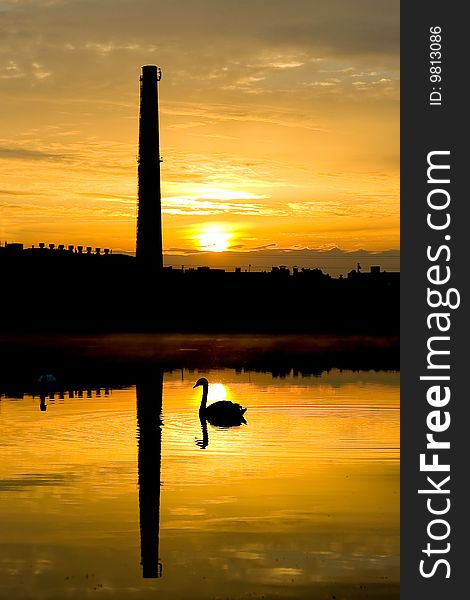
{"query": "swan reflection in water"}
{"type": "Point", "coordinates": [220, 414]}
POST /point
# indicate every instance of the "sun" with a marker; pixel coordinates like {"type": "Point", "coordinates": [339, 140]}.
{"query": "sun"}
{"type": "Point", "coordinates": [214, 239]}
{"type": "Point", "coordinates": [217, 392]}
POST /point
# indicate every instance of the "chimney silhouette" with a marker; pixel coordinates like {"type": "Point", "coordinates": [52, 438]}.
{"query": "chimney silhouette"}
{"type": "Point", "coordinates": [149, 249]}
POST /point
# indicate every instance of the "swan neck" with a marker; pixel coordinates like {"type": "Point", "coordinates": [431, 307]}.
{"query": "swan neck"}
{"type": "Point", "coordinates": [205, 389]}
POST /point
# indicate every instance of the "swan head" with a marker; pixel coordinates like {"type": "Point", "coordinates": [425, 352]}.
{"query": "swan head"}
{"type": "Point", "coordinates": [203, 381]}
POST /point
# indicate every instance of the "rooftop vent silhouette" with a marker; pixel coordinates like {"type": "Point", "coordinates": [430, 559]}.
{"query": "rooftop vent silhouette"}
{"type": "Point", "coordinates": [149, 221]}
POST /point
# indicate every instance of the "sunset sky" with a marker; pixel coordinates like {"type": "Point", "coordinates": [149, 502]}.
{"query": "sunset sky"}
{"type": "Point", "coordinates": [279, 122]}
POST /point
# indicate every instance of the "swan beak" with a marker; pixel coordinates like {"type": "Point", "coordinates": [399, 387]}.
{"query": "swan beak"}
{"type": "Point", "coordinates": [195, 386]}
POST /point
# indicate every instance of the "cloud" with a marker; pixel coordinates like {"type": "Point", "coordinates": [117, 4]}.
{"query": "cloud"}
{"type": "Point", "coordinates": [342, 24]}
{"type": "Point", "coordinates": [39, 72]}
{"type": "Point", "coordinates": [10, 71]}
{"type": "Point", "coordinates": [107, 48]}
{"type": "Point", "coordinates": [188, 125]}
{"type": "Point", "coordinates": [265, 247]}
{"type": "Point", "coordinates": [19, 153]}
{"type": "Point", "coordinates": [186, 250]}
{"type": "Point", "coordinates": [265, 36]}
{"type": "Point", "coordinates": [219, 202]}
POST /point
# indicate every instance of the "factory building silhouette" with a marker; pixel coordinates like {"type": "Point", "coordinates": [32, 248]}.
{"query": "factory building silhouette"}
{"type": "Point", "coordinates": [102, 290]}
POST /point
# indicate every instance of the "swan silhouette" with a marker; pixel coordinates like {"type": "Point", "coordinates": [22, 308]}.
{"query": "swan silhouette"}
{"type": "Point", "coordinates": [222, 413]}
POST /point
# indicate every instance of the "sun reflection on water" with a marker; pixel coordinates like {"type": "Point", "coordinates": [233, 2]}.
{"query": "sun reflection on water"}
{"type": "Point", "coordinates": [307, 491]}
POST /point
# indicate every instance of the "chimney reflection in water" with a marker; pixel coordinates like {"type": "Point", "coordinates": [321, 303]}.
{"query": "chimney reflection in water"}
{"type": "Point", "coordinates": [149, 423]}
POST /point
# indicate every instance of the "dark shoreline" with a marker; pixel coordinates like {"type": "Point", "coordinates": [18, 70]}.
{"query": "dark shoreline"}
{"type": "Point", "coordinates": [124, 358]}
{"type": "Point", "coordinates": [68, 293]}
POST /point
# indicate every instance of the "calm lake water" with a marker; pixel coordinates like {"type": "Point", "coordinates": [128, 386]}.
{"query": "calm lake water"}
{"type": "Point", "coordinates": [301, 502]}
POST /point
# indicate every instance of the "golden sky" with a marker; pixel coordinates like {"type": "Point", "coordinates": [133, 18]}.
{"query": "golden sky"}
{"type": "Point", "coordinates": [279, 122]}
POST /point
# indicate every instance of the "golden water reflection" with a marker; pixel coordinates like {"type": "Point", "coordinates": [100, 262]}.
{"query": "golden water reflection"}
{"type": "Point", "coordinates": [300, 502]}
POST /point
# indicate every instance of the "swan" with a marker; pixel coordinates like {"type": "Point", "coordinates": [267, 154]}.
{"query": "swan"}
{"type": "Point", "coordinates": [222, 413]}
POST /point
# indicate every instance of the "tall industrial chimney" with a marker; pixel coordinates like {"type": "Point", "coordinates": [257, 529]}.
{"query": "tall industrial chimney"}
{"type": "Point", "coordinates": [149, 250]}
